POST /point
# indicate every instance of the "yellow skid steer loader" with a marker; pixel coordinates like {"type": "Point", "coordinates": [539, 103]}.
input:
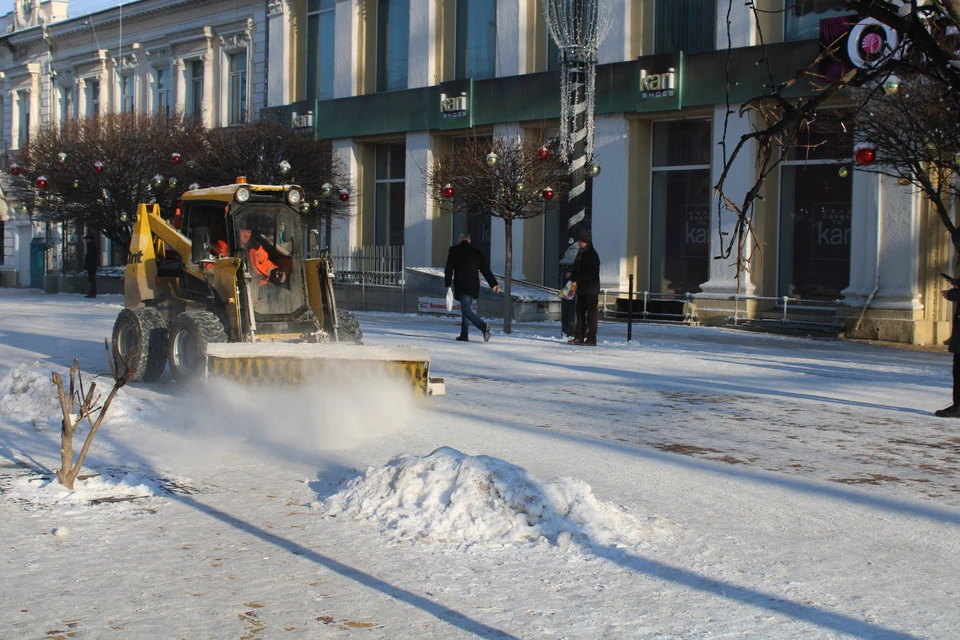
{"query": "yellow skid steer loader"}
{"type": "Point", "coordinates": [230, 293]}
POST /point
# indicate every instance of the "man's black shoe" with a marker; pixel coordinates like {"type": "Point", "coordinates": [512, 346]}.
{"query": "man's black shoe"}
{"type": "Point", "coordinates": [486, 333]}
{"type": "Point", "coordinates": [953, 411]}
{"type": "Point", "coordinates": [463, 339]}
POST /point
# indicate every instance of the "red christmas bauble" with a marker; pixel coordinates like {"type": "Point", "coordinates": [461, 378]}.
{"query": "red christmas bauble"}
{"type": "Point", "coordinates": [175, 158]}
{"type": "Point", "coordinates": [865, 156]}
{"type": "Point", "coordinates": [548, 194]}
{"type": "Point", "coordinates": [98, 166]}
{"type": "Point", "coordinates": [15, 171]}
{"type": "Point", "coordinates": [41, 183]}
{"type": "Point", "coordinates": [344, 195]}
{"type": "Point", "coordinates": [447, 191]}
{"type": "Point", "coordinates": [542, 153]}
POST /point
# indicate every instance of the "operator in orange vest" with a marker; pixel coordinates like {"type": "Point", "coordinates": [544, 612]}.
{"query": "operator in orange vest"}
{"type": "Point", "coordinates": [259, 260]}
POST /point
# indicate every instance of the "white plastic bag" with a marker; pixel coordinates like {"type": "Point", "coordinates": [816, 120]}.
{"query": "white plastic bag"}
{"type": "Point", "coordinates": [449, 299]}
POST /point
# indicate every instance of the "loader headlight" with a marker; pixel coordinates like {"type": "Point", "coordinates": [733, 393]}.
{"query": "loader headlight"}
{"type": "Point", "coordinates": [242, 194]}
{"type": "Point", "coordinates": [294, 197]}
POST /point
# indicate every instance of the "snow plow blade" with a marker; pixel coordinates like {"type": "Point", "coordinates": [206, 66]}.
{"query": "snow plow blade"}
{"type": "Point", "coordinates": [266, 364]}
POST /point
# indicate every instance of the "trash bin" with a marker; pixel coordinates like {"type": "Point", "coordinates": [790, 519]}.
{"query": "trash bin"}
{"type": "Point", "coordinates": [38, 253]}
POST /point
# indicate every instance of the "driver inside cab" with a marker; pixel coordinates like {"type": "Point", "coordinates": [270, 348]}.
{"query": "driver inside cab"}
{"type": "Point", "coordinates": [260, 262]}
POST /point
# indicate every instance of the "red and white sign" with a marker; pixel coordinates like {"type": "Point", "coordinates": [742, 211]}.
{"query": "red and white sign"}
{"type": "Point", "coordinates": [439, 305]}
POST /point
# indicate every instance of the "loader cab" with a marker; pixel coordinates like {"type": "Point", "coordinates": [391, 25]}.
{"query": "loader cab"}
{"type": "Point", "coordinates": [268, 238]}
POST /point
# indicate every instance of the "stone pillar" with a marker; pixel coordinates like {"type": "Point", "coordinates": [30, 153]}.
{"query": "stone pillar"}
{"type": "Point", "coordinates": [278, 53]}
{"type": "Point", "coordinates": [419, 210]}
{"type": "Point", "coordinates": [611, 190]}
{"type": "Point", "coordinates": [422, 61]}
{"type": "Point", "coordinates": [346, 65]}
{"type": "Point", "coordinates": [345, 232]}
{"type": "Point", "coordinates": [178, 74]}
{"type": "Point", "coordinates": [724, 274]}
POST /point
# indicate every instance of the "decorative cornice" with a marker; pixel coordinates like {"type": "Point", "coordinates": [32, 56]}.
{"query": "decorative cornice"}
{"type": "Point", "coordinates": [275, 6]}
{"type": "Point", "coordinates": [234, 43]}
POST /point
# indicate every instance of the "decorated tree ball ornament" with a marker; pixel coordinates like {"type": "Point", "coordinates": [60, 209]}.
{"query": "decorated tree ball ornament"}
{"type": "Point", "coordinates": [543, 153]}
{"type": "Point", "coordinates": [284, 167]}
{"type": "Point", "coordinates": [15, 170]}
{"type": "Point", "coordinates": [844, 172]}
{"type": "Point", "coordinates": [344, 195]}
{"type": "Point", "coordinates": [157, 180]}
{"type": "Point", "coordinates": [123, 216]}
{"type": "Point", "coordinates": [447, 191]}
{"type": "Point", "coordinates": [592, 170]}
{"type": "Point", "coordinates": [175, 159]}
{"type": "Point", "coordinates": [547, 193]}
{"type": "Point", "coordinates": [891, 85]}
{"type": "Point", "coordinates": [865, 154]}
{"type": "Point", "coordinates": [42, 183]}
{"type": "Point", "coordinates": [76, 184]}
{"type": "Point", "coordinates": [304, 207]}
{"type": "Point", "coordinates": [316, 204]}
{"type": "Point", "coordinates": [194, 186]}
{"type": "Point", "coordinates": [98, 166]}
{"type": "Point", "coordinates": [326, 189]}
{"type": "Point", "coordinates": [903, 181]}
{"type": "Point", "coordinates": [956, 159]}
{"type": "Point", "coordinates": [62, 157]}
{"type": "Point", "coordinates": [172, 181]}
{"type": "Point", "coordinates": [520, 187]}
{"type": "Point", "coordinates": [492, 159]}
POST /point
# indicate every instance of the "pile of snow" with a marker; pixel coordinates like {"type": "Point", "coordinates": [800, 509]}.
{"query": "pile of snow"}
{"type": "Point", "coordinates": [450, 497]}
{"type": "Point", "coordinates": [46, 490]}
{"type": "Point", "coordinates": [27, 394]}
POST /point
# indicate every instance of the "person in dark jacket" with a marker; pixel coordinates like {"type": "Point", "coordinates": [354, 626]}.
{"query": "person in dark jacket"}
{"type": "Point", "coordinates": [586, 273]}
{"type": "Point", "coordinates": [91, 262]}
{"type": "Point", "coordinates": [953, 295]}
{"type": "Point", "coordinates": [464, 264]}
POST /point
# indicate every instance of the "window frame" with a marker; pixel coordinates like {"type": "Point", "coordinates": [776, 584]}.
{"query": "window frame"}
{"type": "Point", "coordinates": [320, 49]}
{"type": "Point", "coordinates": [238, 83]}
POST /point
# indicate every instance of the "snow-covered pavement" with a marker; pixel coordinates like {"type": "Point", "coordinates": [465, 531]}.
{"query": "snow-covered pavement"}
{"type": "Point", "coordinates": [694, 483]}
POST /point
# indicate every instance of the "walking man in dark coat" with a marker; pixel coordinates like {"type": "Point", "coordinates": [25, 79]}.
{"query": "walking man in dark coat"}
{"type": "Point", "coordinates": [91, 262]}
{"type": "Point", "coordinates": [586, 273]}
{"type": "Point", "coordinates": [464, 264]}
{"type": "Point", "coordinates": [953, 295]}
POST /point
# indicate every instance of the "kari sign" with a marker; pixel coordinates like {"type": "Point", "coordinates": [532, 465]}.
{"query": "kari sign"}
{"type": "Point", "coordinates": [439, 305]}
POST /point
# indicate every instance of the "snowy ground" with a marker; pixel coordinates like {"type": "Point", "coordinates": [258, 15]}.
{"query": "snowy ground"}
{"type": "Point", "coordinates": [695, 483]}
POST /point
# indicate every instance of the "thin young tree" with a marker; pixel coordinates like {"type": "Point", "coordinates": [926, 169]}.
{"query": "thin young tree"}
{"type": "Point", "coordinates": [504, 177]}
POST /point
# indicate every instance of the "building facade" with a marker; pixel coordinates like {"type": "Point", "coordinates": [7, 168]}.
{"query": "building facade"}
{"type": "Point", "coordinates": [197, 57]}
{"type": "Point", "coordinates": [377, 78]}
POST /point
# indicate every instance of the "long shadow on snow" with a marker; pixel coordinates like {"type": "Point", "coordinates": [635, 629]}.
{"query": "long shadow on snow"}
{"type": "Point", "coordinates": [701, 385]}
{"type": "Point", "coordinates": [794, 484]}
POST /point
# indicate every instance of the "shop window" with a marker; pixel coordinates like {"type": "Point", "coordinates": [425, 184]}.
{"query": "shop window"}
{"type": "Point", "coordinates": [553, 53]}
{"type": "Point", "coordinates": [196, 88]}
{"type": "Point", "coordinates": [390, 194]}
{"type": "Point", "coordinates": [393, 44]}
{"type": "Point", "coordinates": [237, 90]}
{"type": "Point", "coordinates": [680, 206]}
{"type": "Point", "coordinates": [802, 18]}
{"type": "Point", "coordinates": [684, 25]}
{"type": "Point", "coordinates": [476, 39]}
{"type": "Point", "coordinates": [23, 120]}
{"type": "Point", "coordinates": [815, 203]}
{"type": "Point", "coordinates": [320, 48]}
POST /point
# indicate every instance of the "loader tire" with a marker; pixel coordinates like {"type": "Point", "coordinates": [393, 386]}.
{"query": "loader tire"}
{"type": "Point", "coordinates": [348, 329]}
{"type": "Point", "coordinates": [140, 339]}
{"type": "Point", "coordinates": [189, 335]}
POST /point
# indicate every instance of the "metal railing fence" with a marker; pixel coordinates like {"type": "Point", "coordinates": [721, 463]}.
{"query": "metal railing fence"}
{"type": "Point", "coordinates": [369, 266]}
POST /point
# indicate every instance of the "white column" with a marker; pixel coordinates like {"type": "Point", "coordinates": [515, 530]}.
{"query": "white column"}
{"type": "Point", "coordinates": [743, 28]}
{"type": "Point", "coordinates": [208, 87]}
{"type": "Point", "coordinates": [610, 198]}
{"type": "Point", "coordinates": [178, 73]}
{"type": "Point", "coordinates": [422, 65]}
{"type": "Point", "coordinates": [741, 177]}
{"type": "Point", "coordinates": [418, 209]}
{"type": "Point", "coordinates": [885, 220]}
{"type": "Point", "coordinates": [278, 53]}
{"type": "Point", "coordinates": [618, 44]}
{"type": "Point", "coordinates": [22, 235]}
{"type": "Point", "coordinates": [346, 66]}
{"type": "Point", "coordinates": [511, 56]}
{"type": "Point", "coordinates": [345, 231]}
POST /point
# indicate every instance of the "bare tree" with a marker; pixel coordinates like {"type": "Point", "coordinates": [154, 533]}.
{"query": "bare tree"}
{"type": "Point", "coordinates": [504, 177]}
{"type": "Point", "coordinates": [78, 405]}
{"type": "Point", "coordinates": [267, 152]}
{"type": "Point", "coordinates": [923, 56]}
{"type": "Point", "coordinates": [95, 171]}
